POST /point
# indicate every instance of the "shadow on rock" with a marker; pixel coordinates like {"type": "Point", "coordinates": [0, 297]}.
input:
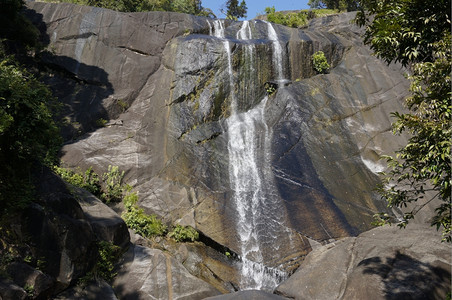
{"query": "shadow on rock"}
{"type": "Point", "coordinates": [407, 278]}
{"type": "Point", "coordinates": [80, 88]}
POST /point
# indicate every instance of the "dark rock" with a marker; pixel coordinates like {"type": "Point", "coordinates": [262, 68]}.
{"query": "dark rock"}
{"type": "Point", "coordinates": [62, 240]}
{"type": "Point", "coordinates": [97, 290]}
{"type": "Point", "coordinates": [383, 263]}
{"type": "Point", "coordinates": [24, 275]}
{"type": "Point", "coordinates": [106, 223]}
{"type": "Point", "coordinates": [10, 291]}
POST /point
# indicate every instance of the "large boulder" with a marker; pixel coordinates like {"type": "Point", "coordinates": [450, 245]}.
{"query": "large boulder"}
{"type": "Point", "coordinates": [152, 274]}
{"type": "Point", "coordinates": [58, 232]}
{"type": "Point", "coordinates": [383, 263]}
{"type": "Point", "coordinates": [106, 223]}
{"type": "Point", "coordinates": [248, 295]}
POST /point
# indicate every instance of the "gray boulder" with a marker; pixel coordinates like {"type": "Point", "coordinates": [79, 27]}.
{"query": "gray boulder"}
{"type": "Point", "coordinates": [152, 274]}
{"type": "Point", "coordinates": [105, 222]}
{"type": "Point", "coordinates": [96, 290]}
{"type": "Point", "coordinates": [248, 295]}
{"type": "Point", "coordinates": [383, 263]}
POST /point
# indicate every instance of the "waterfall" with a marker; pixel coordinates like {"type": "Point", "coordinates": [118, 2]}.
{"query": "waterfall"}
{"type": "Point", "coordinates": [250, 175]}
{"type": "Point", "coordinates": [277, 51]}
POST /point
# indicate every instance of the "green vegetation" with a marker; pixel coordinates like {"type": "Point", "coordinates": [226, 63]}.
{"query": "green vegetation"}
{"type": "Point", "coordinates": [108, 254]}
{"type": "Point", "coordinates": [320, 63]}
{"type": "Point", "coordinates": [295, 19]}
{"type": "Point", "coordinates": [101, 122]}
{"type": "Point", "coordinates": [349, 5]}
{"type": "Point", "coordinates": [114, 187]}
{"type": "Point", "coordinates": [420, 39]}
{"type": "Point", "coordinates": [15, 28]}
{"type": "Point", "coordinates": [28, 134]}
{"type": "Point", "coordinates": [270, 88]}
{"type": "Point", "coordinates": [30, 290]}
{"type": "Point", "coordinates": [234, 10]}
{"type": "Point", "coordinates": [136, 219]}
{"type": "Point", "coordinates": [184, 233]}
{"type": "Point", "coordinates": [193, 7]}
{"type": "Point", "coordinates": [88, 180]}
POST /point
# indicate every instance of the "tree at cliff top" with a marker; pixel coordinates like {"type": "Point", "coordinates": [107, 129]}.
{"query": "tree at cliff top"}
{"type": "Point", "coordinates": [234, 10]}
{"type": "Point", "coordinates": [417, 34]}
{"type": "Point", "coordinates": [349, 5]}
{"type": "Point", "coordinates": [28, 134]}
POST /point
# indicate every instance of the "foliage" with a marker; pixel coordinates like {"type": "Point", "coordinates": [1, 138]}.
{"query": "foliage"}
{"type": "Point", "coordinates": [114, 188]}
{"type": "Point", "coordinates": [418, 37]}
{"type": "Point", "coordinates": [234, 10]}
{"type": "Point", "coordinates": [28, 134]}
{"type": "Point", "coordinates": [405, 31]}
{"type": "Point", "coordinates": [15, 28]}
{"type": "Point", "coordinates": [108, 254]}
{"type": "Point", "coordinates": [320, 63]}
{"type": "Point", "coordinates": [88, 180]}
{"type": "Point", "coordinates": [270, 88]}
{"type": "Point", "coordinates": [295, 19]}
{"type": "Point", "coordinates": [136, 219]}
{"type": "Point", "coordinates": [30, 290]}
{"type": "Point", "coordinates": [349, 5]}
{"type": "Point", "coordinates": [184, 233]}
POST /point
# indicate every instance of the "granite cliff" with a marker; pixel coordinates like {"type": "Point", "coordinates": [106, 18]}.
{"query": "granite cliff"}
{"type": "Point", "coordinates": [225, 126]}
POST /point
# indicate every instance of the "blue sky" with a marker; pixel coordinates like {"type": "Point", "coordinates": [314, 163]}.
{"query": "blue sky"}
{"type": "Point", "coordinates": [256, 6]}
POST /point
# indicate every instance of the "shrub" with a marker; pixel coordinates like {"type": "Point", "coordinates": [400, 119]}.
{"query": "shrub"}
{"type": "Point", "coordinates": [108, 254]}
{"type": "Point", "coordinates": [88, 180]}
{"type": "Point", "coordinates": [28, 134]}
{"type": "Point", "coordinates": [295, 19]}
{"type": "Point", "coordinates": [114, 188]}
{"type": "Point", "coordinates": [184, 233]}
{"type": "Point", "coordinates": [136, 219]}
{"type": "Point", "coordinates": [320, 63]}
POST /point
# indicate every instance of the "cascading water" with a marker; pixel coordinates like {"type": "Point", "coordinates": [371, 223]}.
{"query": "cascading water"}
{"type": "Point", "coordinates": [250, 173]}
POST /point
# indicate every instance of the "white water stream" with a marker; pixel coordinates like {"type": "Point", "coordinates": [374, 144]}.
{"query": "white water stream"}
{"type": "Point", "coordinates": [250, 174]}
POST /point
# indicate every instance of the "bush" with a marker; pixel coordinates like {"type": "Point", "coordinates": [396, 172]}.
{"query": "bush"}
{"type": "Point", "coordinates": [28, 134]}
{"type": "Point", "coordinates": [320, 63]}
{"type": "Point", "coordinates": [136, 219]}
{"type": "Point", "coordinates": [108, 254]}
{"type": "Point", "coordinates": [184, 233]}
{"type": "Point", "coordinates": [88, 180]}
{"type": "Point", "coordinates": [295, 19]}
{"type": "Point", "coordinates": [114, 188]}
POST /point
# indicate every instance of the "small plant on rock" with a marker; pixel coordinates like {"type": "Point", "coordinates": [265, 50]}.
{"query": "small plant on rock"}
{"type": "Point", "coordinates": [88, 180]}
{"type": "Point", "coordinates": [136, 219]}
{"type": "Point", "coordinates": [114, 188]}
{"type": "Point", "coordinates": [320, 62]}
{"type": "Point", "coordinates": [184, 233]}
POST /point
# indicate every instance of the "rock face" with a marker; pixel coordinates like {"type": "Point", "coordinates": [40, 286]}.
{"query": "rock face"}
{"type": "Point", "coordinates": [383, 263]}
{"type": "Point", "coordinates": [57, 240]}
{"type": "Point", "coordinates": [175, 87]}
{"type": "Point", "coordinates": [152, 274]}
